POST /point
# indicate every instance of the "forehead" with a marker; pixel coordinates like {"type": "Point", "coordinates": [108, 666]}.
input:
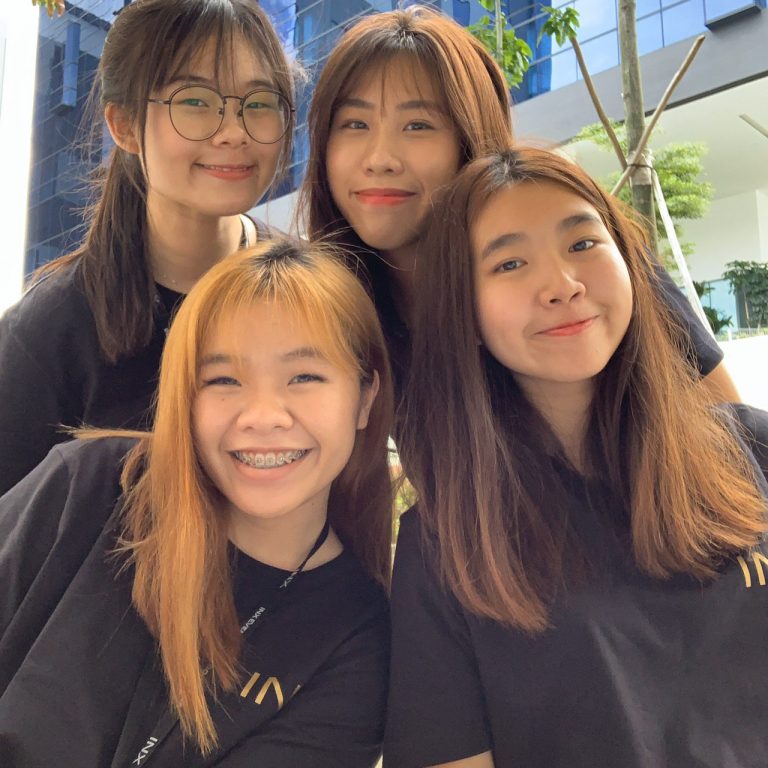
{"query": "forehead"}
{"type": "Point", "coordinates": [527, 207]}
{"type": "Point", "coordinates": [396, 79]}
{"type": "Point", "coordinates": [269, 330]}
{"type": "Point", "coordinates": [232, 60]}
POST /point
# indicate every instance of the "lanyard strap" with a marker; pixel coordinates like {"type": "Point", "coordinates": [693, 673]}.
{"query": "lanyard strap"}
{"type": "Point", "coordinates": [168, 719]}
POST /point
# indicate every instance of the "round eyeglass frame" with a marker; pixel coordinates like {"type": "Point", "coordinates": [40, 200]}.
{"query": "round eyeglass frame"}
{"type": "Point", "coordinates": [291, 111]}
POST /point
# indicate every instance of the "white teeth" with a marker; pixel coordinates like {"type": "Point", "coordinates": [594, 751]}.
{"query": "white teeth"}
{"type": "Point", "coordinates": [269, 460]}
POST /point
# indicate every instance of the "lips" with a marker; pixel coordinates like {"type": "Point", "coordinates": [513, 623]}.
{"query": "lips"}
{"type": "Point", "coordinates": [230, 172]}
{"type": "Point", "coordinates": [383, 196]}
{"type": "Point", "coordinates": [571, 328]}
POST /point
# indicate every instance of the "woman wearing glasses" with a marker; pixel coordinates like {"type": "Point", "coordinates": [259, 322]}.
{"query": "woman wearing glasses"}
{"type": "Point", "coordinates": [197, 96]}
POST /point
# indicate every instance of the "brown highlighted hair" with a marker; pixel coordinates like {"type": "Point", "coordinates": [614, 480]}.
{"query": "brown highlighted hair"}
{"type": "Point", "coordinates": [465, 75]}
{"type": "Point", "coordinates": [174, 532]}
{"type": "Point", "coordinates": [148, 42]}
{"type": "Point", "coordinates": [683, 493]}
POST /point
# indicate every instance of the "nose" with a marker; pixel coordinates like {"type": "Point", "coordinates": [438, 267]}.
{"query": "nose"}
{"type": "Point", "coordinates": [381, 154]}
{"type": "Point", "coordinates": [263, 412]}
{"type": "Point", "coordinates": [561, 284]}
{"type": "Point", "coordinates": [231, 131]}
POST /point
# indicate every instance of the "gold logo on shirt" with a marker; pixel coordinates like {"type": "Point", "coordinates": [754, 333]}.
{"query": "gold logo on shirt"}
{"type": "Point", "coordinates": [270, 684]}
{"type": "Point", "coordinates": [759, 560]}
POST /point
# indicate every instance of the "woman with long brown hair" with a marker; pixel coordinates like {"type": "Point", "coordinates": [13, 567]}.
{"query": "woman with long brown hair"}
{"type": "Point", "coordinates": [406, 99]}
{"type": "Point", "coordinates": [580, 582]}
{"type": "Point", "coordinates": [220, 600]}
{"type": "Point", "coordinates": [198, 98]}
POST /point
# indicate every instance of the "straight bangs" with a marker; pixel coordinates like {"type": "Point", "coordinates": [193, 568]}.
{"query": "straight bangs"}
{"type": "Point", "coordinates": [322, 302]}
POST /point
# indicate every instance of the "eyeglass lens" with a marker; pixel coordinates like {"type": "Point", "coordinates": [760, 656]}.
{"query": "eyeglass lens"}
{"type": "Point", "coordinates": [197, 113]}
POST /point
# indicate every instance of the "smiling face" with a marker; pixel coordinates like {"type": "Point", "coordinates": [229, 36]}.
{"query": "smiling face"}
{"type": "Point", "coordinates": [391, 147]}
{"type": "Point", "coordinates": [274, 421]}
{"type": "Point", "coordinates": [552, 291]}
{"type": "Point", "coordinates": [221, 176]}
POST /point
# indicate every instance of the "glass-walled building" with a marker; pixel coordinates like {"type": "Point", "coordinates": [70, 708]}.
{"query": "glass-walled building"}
{"type": "Point", "coordinates": [69, 48]}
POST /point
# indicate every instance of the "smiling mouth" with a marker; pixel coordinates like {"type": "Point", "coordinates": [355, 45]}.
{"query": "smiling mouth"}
{"type": "Point", "coordinates": [270, 459]}
{"type": "Point", "coordinates": [384, 196]}
{"type": "Point", "coordinates": [569, 329]}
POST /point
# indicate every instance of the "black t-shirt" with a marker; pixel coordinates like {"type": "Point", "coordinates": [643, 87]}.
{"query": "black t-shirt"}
{"type": "Point", "coordinates": [634, 672]}
{"type": "Point", "coordinates": [79, 685]}
{"type": "Point", "coordinates": [52, 371]}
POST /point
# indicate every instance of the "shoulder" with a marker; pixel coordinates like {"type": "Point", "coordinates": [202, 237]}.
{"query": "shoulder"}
{"type": "Point", "coordinates": [52, 305]}
{"type": "Point", "coordinates": [92, 467]}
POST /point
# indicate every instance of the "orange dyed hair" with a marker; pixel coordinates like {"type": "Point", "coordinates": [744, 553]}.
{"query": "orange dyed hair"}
{"type": "Point", "coordinates": [176, 540]}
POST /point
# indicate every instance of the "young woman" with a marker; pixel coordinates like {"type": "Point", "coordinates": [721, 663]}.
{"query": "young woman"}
{"type": "Point", "coordinates": [581, 584]}
{"type": "Point", "coordinates": [197, 95]}
{"type": "Point", "coordinates": [404, 101]}
{"type": "Point", "coordinates": [220, 601]}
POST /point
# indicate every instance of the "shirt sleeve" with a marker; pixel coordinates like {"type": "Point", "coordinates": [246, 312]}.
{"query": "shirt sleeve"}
{"type": "Point", "coordinates": [704, 353]}
{"type": "Point", "coordinates": [336, 720]}
{"type": "Point", "coordinates": [48, 523]}
{"type": "Point", "coordinates": [31, 405]}
{"type": "Point", "coordinates": [436, 710]}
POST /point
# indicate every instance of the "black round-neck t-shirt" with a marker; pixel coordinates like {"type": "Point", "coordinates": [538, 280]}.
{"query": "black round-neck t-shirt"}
{"type": "Point", "coordinates": [633, 672]}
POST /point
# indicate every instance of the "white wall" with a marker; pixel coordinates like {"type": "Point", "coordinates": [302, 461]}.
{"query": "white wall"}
{"type": "Point", "coordinates": [18, 36]}
{"type": "Point", "coordinates": [735, 228]}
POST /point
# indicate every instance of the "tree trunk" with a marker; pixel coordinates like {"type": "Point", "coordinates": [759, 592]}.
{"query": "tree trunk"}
{"type": "Point", "coordinates": [642, 187]}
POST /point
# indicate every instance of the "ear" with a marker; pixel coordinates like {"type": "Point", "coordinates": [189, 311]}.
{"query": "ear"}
{"type": "Point", "coordinates": [368, 395]}
{"type": "Point", "coordinates": [121, 128]}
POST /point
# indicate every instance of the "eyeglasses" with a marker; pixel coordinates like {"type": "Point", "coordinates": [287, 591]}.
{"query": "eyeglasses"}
{"type": "Point", "coordinates": [197, 113]}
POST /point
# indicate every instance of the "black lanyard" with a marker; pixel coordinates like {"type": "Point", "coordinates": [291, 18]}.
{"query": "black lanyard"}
{"type": "Point", "coordinates": [168, 719]}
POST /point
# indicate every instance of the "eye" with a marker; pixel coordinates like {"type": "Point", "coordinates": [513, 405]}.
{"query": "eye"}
{"type": "Point", "coordinates": [221, 381]}
{"type": "Point", "coordinates": [510, 266]}
{"type": "Point", "coordinates": [306, 378]}
{"type": "Point", "coordinates": [192, 102]}
{"type": "Point", "coordinates": [353, 124]}
{"type": "Point", "coordinates": [418, 125]}
{"type": "Point", "coordinates": [583, 245]}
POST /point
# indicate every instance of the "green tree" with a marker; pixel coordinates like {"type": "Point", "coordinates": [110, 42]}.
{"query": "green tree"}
{"type": "Point", "coordinates": [749, 280]}
{"type": "Point", "coordinates": [51, 6]}
{"type": "Point", "coordinates": [679, 167]}
{"type": "Point", "coordinates": [512, 54]}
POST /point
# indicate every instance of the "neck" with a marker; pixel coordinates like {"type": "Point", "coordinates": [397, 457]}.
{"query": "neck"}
{"type": "Point", "coordinates": [283, 543]}
{"type": "Point", "coordinates": [400, 268]}
{"type": "Point", "coordinates": [565, 406]}
{"type": "Point", "coordinates": [184, 245]}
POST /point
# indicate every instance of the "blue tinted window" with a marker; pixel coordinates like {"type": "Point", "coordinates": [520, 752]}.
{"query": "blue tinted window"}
{"type": "Point", "coordinates": [682, 20]}
{"type": "Point", "coordinates": [601, 53]}
{"type": "Point", "coordinates": [649, 37]}
{"type": "Point", "coordinates": [596, 17]}
{"type": "Point", "coordinates": [644, 7]}
{"type": "Point", "coordinates": [717, 8]}
{"type": "Point", "coordinates": [564, 69]}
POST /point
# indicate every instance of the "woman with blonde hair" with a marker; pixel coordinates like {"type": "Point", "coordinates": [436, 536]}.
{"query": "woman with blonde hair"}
{"type": "Point", "coordinates": [220, 600]}
{"type": "Point", "coordinates": [579, 583]}
{"type": "Point", "coordinates": [405, 100]}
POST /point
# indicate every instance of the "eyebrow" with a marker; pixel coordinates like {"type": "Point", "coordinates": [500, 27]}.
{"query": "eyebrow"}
{"type": "Point", "coordinates": [185, 77]}
{"type": "Point", "coordinates": [300, 353]}
{"type": "Point", "coordinates": [403, 106]}
{"type": "Point", "coordinates": [512, 238]}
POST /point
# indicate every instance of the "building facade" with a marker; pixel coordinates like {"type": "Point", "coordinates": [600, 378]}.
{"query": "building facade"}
{"type": "Point", "coordinates": [730, 73]}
